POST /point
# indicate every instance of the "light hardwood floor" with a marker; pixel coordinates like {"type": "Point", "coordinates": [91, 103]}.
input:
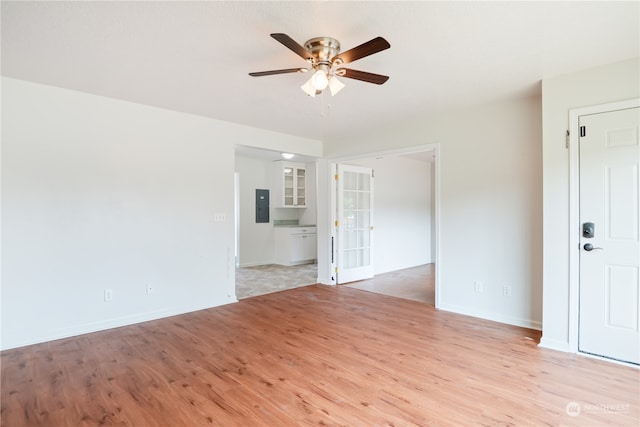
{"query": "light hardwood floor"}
{"type": "Point", "coordinates": [416, 283]}
{"type": "Point", "coordinates": [315, 355]}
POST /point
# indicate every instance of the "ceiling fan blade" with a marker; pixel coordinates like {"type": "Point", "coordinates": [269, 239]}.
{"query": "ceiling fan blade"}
{"type": "Point", "coordinates": [293, 45]}
{"type": "Point", "coordinates": [362, 75]}
{"type": "Point", "coordinates": [365, 49]}
{"type": "Point", "coordinates": [272, 72]}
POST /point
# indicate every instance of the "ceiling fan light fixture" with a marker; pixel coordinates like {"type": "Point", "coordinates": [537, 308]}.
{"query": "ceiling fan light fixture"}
{"type": "Point", "coordinates": [309, 89]}
{"type": "Point", "coordinates": [319, 80]}
{"type": "Point", "coordinates": [335, 85]}
{"type": "Point", "coordinates": [287, 156]}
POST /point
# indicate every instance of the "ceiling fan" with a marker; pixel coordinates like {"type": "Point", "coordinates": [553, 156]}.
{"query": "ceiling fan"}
{"type": "Point", "coordinates": [323, 54]}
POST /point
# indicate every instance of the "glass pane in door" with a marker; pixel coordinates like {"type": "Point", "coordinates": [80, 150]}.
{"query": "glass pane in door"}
{"type": "Point", "coordinates": [355, 223]}
{"type": "Point", "coordinates": [300, 187]}
{"type": "Point", "coordinates": [288, 186]}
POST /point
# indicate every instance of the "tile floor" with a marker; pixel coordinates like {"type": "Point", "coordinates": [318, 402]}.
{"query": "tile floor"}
{"type": "Point", "coordinates": [265, 279]}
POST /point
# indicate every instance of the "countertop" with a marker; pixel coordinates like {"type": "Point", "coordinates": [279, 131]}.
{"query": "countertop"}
{"type": "Point", "coordinates": [293, 225]}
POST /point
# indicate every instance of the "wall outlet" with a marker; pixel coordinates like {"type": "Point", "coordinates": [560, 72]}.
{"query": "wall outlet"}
{"type": "Point", "coordinates": [150, 289]}
{"type": "Point", "coordinates": [478, 287]}
{"type": "Point", "coordinates": [506, 291]}
{"type": "Point", "coordinates": [108, 295]}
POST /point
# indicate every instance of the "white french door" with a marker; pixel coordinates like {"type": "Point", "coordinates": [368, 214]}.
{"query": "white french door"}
{"type": "Point", "coordinates": [609, 295]}
{"type": "Point", "coordinates": [354, 224]}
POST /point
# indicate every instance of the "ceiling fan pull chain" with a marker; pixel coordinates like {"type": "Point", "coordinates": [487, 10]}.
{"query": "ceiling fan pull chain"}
{"type": "Point", "coordinates": [322, 104]}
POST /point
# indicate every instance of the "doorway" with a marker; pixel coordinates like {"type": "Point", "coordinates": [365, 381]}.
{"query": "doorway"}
{"type": "Point", "coordinates": [257, 271]}
{"type": "Point", "coordinates": [406, 222]}
{"type": "Point", "coordinates": [606, 257]}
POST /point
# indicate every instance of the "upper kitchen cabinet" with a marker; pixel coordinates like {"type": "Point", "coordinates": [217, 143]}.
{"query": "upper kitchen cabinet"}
{"type": "Point", "coordinates": [289, 190]}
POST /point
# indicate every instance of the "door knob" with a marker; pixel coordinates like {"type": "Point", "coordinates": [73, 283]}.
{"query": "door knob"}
{"type": "Point", "coordinates": [589, 247]}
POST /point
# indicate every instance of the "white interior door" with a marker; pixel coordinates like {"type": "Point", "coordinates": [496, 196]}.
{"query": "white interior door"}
{"type": "Point", "coordinates": [610, 253]}
{"type": "Point", "coordinates": [354, 224]}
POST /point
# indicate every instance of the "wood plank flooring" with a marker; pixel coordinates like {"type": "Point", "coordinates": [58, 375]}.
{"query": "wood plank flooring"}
{"type": "Point", "coordinates": [316, 355]}
{"type": "Point", "coordinates": [415, 283]}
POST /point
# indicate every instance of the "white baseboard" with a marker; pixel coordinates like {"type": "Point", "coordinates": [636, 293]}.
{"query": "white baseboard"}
{"type": "Point", "coordinates": [110, 324]}
{"type": "Point", "coordinates": [554, 344]}
{"type": "Point", "coordinates": [255, 264]}
{"type": "Point", "coordinates": [524, 323]}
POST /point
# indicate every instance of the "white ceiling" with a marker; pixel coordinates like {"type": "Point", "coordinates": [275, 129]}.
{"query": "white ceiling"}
{"type": "Point", "coordinates": [194, 56]}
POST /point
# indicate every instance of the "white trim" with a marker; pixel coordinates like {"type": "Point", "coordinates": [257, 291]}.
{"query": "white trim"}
{"type": "Point", "coordinates": [396, 152]}
{"type": "Point", "coordinates": [236, 218]}
{"type": "Point", "coordinates": [574, 218]}
{"type": "Point", "coordinates": [112, 323]}
{"type": "Point", "coordinates": [333, 215]}
{"type": "Point", "coordinates": [255, 264]}
{"type": "Point", "coordinates": [387, 153]}
{"type": "Point", "coordinates": [554, 344]}
{"type": "Point", "coordinates": [574, 210]}
{"type": "Point", "coordinates": [436, 228]}
{"type": "Point", "coordinates": [323, 220]}
{"type": "Point", "coordinates": [516, 321]}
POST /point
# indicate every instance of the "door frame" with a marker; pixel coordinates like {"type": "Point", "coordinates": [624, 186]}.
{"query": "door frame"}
{"type": "Point", "coordinates": [436, 200]}
{"type": "Point", "coordinates": [574, 208]}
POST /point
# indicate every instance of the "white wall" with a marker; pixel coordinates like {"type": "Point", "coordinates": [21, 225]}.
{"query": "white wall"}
{"type": "Point", "coordinates": [491, 202]}
{"type": "Point", "coordinates": [433, 212]}
{"type": "Point", "coordinates": [256, 239]}
{"type": "Point", "coordinates": [325, 217]}
{"type": "Point", "coordinates": [103, 194]}
{"type": "Point", "coordinates": [308, 215]}
{"type": "Point", "coordinates": [402, 212]}
{"type": "Point", "coordinates": [614, 82]}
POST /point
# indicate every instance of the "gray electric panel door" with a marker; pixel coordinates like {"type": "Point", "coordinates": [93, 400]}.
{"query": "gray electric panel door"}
{"type": "Point", "coordinates": [262, 205]}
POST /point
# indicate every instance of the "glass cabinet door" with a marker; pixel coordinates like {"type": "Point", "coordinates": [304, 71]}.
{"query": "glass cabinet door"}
{"type": "Point", "coordinates": [300, 187]}
{"type": "Point", "coordinates": [288, 186]}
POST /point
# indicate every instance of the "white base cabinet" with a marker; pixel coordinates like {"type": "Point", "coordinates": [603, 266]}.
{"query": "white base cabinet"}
{"type": "Point", "coordinates": [295, 245]}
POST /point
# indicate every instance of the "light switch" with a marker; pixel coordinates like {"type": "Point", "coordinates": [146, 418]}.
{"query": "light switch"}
{"type": "Point", "coordinates": [219, 217]}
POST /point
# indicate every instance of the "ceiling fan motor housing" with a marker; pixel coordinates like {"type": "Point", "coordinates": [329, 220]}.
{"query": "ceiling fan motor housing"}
{"type": "Point", "coordinates": [323, 50]}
